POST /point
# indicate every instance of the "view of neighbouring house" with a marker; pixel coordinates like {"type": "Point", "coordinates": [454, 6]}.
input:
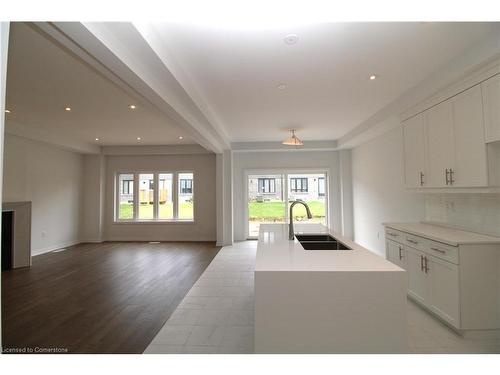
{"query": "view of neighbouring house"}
{"type": "Point", "coordinates": [268, 194]}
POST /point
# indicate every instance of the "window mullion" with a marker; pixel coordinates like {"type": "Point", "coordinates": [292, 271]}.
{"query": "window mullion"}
{"type": "Point", "coordinates": [175, 195]}
{"type": "Point", "coordinates": [156, 197]}
{"type": "Point", "coordinates": [136, 196]}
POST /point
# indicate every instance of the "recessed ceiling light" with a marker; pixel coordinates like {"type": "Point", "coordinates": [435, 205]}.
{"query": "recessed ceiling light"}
{"type": "Point", "coordinates": [282, 86]}
{"type": "Point", "coordinates": [97, 139]}
{"type": "Point", "coordinates": [291, 39]}
{"type": "Point", "coordinates": [132, 106]}
{"type": "Point", "coordinates": [7, 111]}
{"type": "Point", "coordinates": [67, 109]}
{"type": "Point", "coordinates": [181, 137]}
{"type": "Point", "coordinates": [373, 77]}
{"type": "Point", "coordinates": [139, 139]}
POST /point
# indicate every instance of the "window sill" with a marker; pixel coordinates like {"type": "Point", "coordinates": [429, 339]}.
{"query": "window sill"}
{"type": "Point", "coordinates": [152, 222]}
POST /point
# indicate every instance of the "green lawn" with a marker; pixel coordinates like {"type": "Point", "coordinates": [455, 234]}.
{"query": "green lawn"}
{"type": "Point", "coordinates": [274, 211]}
{"type": "Point", "coordinates": [165, 212]}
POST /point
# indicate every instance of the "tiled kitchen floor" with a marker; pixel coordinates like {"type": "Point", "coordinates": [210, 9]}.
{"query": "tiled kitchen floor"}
{"type": "Point", "coordinates": [216, 316]}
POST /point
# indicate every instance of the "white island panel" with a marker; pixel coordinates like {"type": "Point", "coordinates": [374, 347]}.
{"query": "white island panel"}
{"type": "Point", "coordinates": [326, 301]}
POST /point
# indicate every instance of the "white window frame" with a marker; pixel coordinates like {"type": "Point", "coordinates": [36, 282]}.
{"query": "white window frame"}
{"type": "Point", "coordinates": [175, 198]}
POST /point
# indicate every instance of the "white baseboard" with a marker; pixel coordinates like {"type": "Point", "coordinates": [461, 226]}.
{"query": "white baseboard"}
{"type": "Point", "coordinates": [149, 239]}
{"type": "Point", "coordinates": [35, 252]}
{"type": "Point", "coordinates": [48, 249]}
{"type": "Point", "coordinates": [93, 240]}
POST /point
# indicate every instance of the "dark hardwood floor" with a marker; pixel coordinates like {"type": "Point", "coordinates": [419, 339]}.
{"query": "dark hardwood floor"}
{"type": "Point", "coordinates": [99, 298]}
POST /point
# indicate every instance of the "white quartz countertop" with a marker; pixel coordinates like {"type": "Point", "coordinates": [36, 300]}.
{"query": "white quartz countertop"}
{"type": "Point", "coordinates": [443, 234]}
{"type": "Point", "coordinates": [276, 253]}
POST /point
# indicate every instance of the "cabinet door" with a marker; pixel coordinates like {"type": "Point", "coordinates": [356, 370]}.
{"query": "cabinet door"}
{"type": "Point", "coordinates": [414, 151]}
{"type": "Point", "coordinates": [471, 169]}
{"type": "Point", "coordinates": [417, 279]}
{"type": "Point", "coordinates": [440, 143]}
{"type": "Point", "coordinates": [392, 251]}
{"type": "Point", "coordinates": [443, 290]}
{"type": "Point", "coordinates": [491, 107]}
{"type": "Point", "coordinates": [395, 253]}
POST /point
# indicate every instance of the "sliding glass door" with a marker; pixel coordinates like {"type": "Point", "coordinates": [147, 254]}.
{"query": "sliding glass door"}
{"type": "Point", "coordinates": [270, 195]}
{"type": "Point", "coordinates": [266, 201]}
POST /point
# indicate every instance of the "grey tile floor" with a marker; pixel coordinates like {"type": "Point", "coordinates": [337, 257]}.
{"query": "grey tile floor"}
{"type": "Point", "coordinates": [217, 316]}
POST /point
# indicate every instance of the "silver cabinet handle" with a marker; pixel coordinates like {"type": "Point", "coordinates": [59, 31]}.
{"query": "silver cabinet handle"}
{"type": "Point", "coordinates": [421, 178]}
{"type": "Point", "coordinates": [422, 263]}
{"type": "Point", "coordinates": [446, 173]}
{"type": "Point", "coordinates": [438, 250]}
{"type": "Point", "coordinates": [392, 234]}
{"type": "Point", "coordinates": [426, 267]}
{"type": "Point", "coordinates": [451, 176]}
{"type": "Point", "coordinates": [412, 241]}
{"type": "Point", "coordinates": [400, 255]}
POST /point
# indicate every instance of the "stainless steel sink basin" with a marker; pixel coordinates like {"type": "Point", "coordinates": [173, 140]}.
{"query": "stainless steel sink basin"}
{"type": "Point", "coordinates": [320, 242]}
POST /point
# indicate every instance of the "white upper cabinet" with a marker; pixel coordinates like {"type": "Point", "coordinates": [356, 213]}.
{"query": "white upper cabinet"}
{"type": "Point", "coordinates": [445, 146]}
{"type": "Point", "coordinates": [471, 164]}
{"type": "Point", "coordinates": [491, 106]}
{"type": "Point", "coordinates": [440, 144]}
{"type": "Point", "coordinates": [414, 151]}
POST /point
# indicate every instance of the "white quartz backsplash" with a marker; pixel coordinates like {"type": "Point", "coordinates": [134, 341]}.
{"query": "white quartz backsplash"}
{"type": "Point", "coordinates": [474, 212]}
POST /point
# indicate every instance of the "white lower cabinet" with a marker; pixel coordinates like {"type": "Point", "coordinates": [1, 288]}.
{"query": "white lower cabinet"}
{"type": "Point", "coordinates": [417, 280]}
{"type": "Point", "coordinates": [459, 284]}
{"type": "Point", "coordinates": [396, 253]}
{"type": "Point", "coordinates": [443, 294]}
{"type": "Point", "coordinates": [433, 282]}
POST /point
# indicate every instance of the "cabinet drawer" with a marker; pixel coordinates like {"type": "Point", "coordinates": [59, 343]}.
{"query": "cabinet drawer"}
{"type": "Point", "coordinates": [415, 242]}
{"type": "Point", "coordinates": [442, 251]}
{"type": "Point", "coordinates": [394, 235]}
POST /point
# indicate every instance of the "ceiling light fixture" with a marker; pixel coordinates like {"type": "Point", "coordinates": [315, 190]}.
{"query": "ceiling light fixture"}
{"type": "Point", "coordinates": [97, 139]}
{"type": "Point", "coordinates": [139, 139]}
{"type": "Point", "coordinates": [132, 106]}
{"type": "Point", "coordinates": [293, 140]}
{"type": "Point", "coordinates": [181, 137]}
{"type": "Point", "coordinates": [7, 111]}
{"type": "Point", "coordinates": [67, 109]}
{"type": "Point", "coordinates": [291, 39]}
{"type": "Point", "coordinates": [373, 77]}
{"type": "Point", "coordinates": [282, 86]}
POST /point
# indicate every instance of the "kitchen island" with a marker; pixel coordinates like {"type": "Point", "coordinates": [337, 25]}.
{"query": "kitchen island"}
{"type": "Point", "coordinates": [326, 301]}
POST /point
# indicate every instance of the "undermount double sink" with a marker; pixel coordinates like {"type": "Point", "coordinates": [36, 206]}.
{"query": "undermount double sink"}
{"type": "Point", "coordinates": [320, 242]}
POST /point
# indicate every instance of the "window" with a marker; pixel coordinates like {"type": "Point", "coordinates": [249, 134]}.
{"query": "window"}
{"type": "Point", "coordinates": [298, 185]}
{"type": "Point", "coordinates": [126, 197]}
{"type": "Point", "coordinates": [186, 186]}
{"type": "Point", "coordinates": [186, 196]}
{"type": "Point", "coordinates": [165, 196]}
{"type": "Point", "coordinates": [267, 185]}
{"type": "Point", "coordinates": [155, 196]}
{"type": "Point", "coordinates": [146, 196]}
{"type": "Point", "coordinates": [321, 186]}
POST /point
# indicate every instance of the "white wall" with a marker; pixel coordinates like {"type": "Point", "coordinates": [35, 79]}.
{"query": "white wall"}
{"type": "Point", "coordinates": [51, 178]}
{"type": "Point", "coordinates": [93, 198]}
{"type": "Point", "coordinates": [378, 191]}
{"type": "Point", "coordinates": [284, 160]}
{"type": "Point", "coordinates": [204, 226]}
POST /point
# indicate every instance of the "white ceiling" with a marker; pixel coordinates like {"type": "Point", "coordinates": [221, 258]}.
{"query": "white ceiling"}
{"type": "Point", "coordinates": [43, 78]}
{"type": "Point", "coordinates": [237, 71]}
